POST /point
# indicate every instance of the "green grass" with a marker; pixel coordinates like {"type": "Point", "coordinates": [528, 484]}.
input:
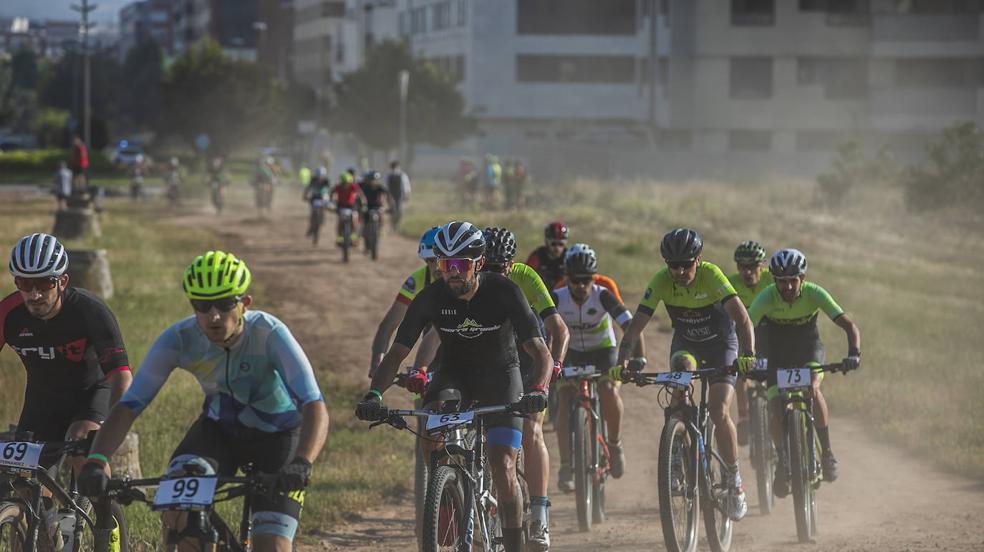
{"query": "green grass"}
{"type": "Point", "coordinates": [911, 282]}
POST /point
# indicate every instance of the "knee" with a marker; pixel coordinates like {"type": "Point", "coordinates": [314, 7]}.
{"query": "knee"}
{"type": "Point", "coordinates": [719, 414]}
{"type": "Point", "coordinates": [683, 362]}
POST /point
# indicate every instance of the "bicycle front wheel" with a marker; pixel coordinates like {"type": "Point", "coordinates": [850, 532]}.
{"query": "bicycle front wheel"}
{"type": "Point", "coordinates": [715, 493]}
{"type": "Point", "coordinates": [13, 527]}
{"type": "Point", "coordinates": [763, 459]}
{"type": "Point", "coordinates": [679, 501]}
{"type": "Point", "coordinates": [799, 467]}
{"type": "Point", "coordinates": [118, 540]}
{"type": "Point", "coordinates": [444, 511]}
{"type": "Point", "coordinates": [582, 440]}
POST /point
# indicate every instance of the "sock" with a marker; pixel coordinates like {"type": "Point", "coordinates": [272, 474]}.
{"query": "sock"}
{"type": "Point", "coordinates": [824, 434]}
{"type": "Point", "coordinates": [538, 508]}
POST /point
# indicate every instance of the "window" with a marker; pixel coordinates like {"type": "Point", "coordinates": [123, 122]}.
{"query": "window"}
{"type": "Point", "coordinates": [333, 9]}
{"type": "Point", "coordinates": [753, 13]}
{"type": "Point", "coordinates": [462, 12]}
{"type": "Point", "coordinates": [663, 72]}
{"type": "Point", "coordinates": [584, 69]}
{"type": "Point", "coordinates": [939, 73]}
{"type": "Point", "coordinates": [840, 78]}
{"type": "Point", "coordinates": [404, 24]}
{"type": "Point", "coordinates": [817, 140]}
{"type": "Point", "coordinates": [418, 20]}
{"type": "Point", "coordinates": [750, 140]}
{"type": "Point", "coordinates": [567, 17]}
{"type": "Point", "coordinates": [847, 13]}
{"type": "Point", "coordinates": [452, 66]}
{"type": "Point", "coordinates": [441, 15]}
{"type": "Point", "coordinates": [751, 78]}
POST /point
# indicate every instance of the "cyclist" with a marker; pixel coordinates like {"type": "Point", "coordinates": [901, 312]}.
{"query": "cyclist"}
{"type": "Point", "coordinates": [264, 181]}
{"type": "Point", "coordinates": [216, 182]}
{"type": "Point", "coordinates": [69, 342]}
{"type": "Point", "coordinates": [790, 308]}
{"type": "Point", "coordinates": [476, 314]}
{"type": "Point", "coordinates": [588, 309]}
{"type": "Point", "coordinates": [398, 185]}
{"type": "Point", "coordinates": [346, 195]}
{"type": "Point", "coordinates": [548, 259]}
{"type": "Point", "coordinates": [706, 312]}
{"type": "Point", "coordinates": [317, 194]}
{"type": "Point", "coordinates": [262, 403]}
{"type": "Point", "coordinates": [606, 282]}
{"type": "Point", "coordinates": [413, 285]}
{"type": "Point", "coordinates": [378, 198]}
{"type": "Point", "coordinates": [749, 281]}
{"type": "Point", "coordinates": [172, 181]}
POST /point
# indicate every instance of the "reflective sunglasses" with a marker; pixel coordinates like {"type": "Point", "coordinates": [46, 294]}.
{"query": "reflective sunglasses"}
{"type": "Point", "coordinates": [581, 280]}
{"type": "Point", "coordinates": [460, 266]}
{"type": "Point", "coordinates": [681, 265]}
{"type": "Point", "coordinates": [31, 284]}
{"type": "Point", "coordinates": [557, 243]}
{"type": "Point", "coordinates": [785, 279]}
{"type": "Point", "coordinates": [225, 304]}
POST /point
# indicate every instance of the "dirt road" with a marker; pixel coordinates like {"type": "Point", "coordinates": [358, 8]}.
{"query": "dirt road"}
{"type": "Point", "coordinates": [884, 500]}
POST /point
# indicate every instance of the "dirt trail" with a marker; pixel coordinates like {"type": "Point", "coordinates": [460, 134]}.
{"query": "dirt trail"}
{"type": "Point", "coordinates": [884, 500]}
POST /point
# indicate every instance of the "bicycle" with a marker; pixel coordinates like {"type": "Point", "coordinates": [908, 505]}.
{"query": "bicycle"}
{"type": "Point", "coordinates": [316, 221]}
{"type": "Point", "coordinates": [691, 474]}
{"type": "Point", "coordinates": [760, 449]}
{"type": "Point", "coordinates": [460, 495]}
{"type": "Point", "coordinates": [371, 232]}
{"type": "Point", "coordinates": [196, 493]}
{"type": "Point", "coordinates": [420, 467]}
{"type": "Point", "coordinates": [800, 442]}
{"type": "Point", "coordinates": [215, 186]}
{"type": "Point", "coordinates": [22, 479]}
{"type": "Point", "coordinates": [589, 448]}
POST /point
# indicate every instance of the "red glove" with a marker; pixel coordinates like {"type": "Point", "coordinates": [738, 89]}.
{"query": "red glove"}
{"type": "Point", "coordinates": [417, 381]}
{"type": "Point", "coordinates": [557, 365]}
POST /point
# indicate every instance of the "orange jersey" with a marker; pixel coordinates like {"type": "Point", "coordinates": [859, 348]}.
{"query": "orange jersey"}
{"type": "Point", "coordinates": [601, 280]}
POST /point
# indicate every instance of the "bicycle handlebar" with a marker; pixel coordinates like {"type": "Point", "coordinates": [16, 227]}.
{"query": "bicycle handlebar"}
{"type": "Point", "coordinates": [763, 373]}
{"type": "Point", "coordinates": [647, 378]}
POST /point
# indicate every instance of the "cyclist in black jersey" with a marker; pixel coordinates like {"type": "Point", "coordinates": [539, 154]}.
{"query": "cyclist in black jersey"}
{"type": "Point", "coordinates": [548, 259]}
{"type": "Point", "coordinates": [69, 342]}
{"type": "Point", "coordinates": [475, 314]}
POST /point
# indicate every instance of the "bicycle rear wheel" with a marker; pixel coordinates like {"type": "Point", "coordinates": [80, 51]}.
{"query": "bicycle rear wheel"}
{"type": "Point", "coordinates": [717, 524]}
{"type": "Point", "coordinates": [13, 527]}
{"type": "Point", "coordinates": [582, 441]}
{"type": "Point", "coordinates": [444, 511]}
{"type": "Point", "coordinates": [346, 239]}
{"type": "Point", "coordinates": [763, 459]}
{"type": "Point", "coordinates": [679, 501]}
{"type": "Point", "coordinates": [799, 467]}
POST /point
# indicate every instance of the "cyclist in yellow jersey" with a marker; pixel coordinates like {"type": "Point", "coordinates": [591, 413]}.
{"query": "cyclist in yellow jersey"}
{"type": "Point", "coordinates": [750, 279]}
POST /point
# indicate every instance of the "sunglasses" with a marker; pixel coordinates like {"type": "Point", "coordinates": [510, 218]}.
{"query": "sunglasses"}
{"type": "Point", "coordinates": [31, 284]}
{"type": "Point", "coordinates": [460, 266]}
{"type": "Point", "coordinates": [748, 266]}
{"type": "Point", "coordinates": [681, 265]}
{"type": "Point", "coordinates": [557, 243]}
{"type": "Point", "coordinates": [786, 279]}
{"type": "Point", "coordinates": [225, 304]}
{"type": "Point", "coordinates": [581, 280]}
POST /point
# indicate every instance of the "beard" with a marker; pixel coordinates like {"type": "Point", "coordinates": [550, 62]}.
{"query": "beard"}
{"type": "Point", "coordinates": [465, 287]}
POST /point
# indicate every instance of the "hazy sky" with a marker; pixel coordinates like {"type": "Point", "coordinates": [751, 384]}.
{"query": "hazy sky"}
{"type": "Point", "coordinates": [59, 9]}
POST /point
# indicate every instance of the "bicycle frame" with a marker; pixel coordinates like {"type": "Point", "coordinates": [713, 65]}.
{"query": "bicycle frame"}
{"type": "Point", "coordinates": [587, 399]}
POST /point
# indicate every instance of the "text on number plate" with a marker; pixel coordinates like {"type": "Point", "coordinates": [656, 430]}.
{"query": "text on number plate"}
{"type": "Point", "coordinates": [793, 378]}
{"type": "Point", "coordinates": [438, 421]}
{"type": "Point", "coordinates": [20, 454]}
{"type": "Point", "coordinates": [185, 493]}
{"type": "Point", "coordinates": [681, 379]}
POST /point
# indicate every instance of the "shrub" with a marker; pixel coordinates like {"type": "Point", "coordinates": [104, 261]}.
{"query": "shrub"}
{"type": "Point", "coordinates": [953, 173]}
{"type": "Point", "coordinates": [850, 168]}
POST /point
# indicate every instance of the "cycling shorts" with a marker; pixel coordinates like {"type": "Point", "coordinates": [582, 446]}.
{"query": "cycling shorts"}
{"type": "Point", "coordinates": [793, 352]}
{"type": "Point", "coordinates": [715, 353]}
{"type": "Point", "coordinates": [48, 415]}
{"type": "Point", "coordinates": [479, 389]}
{"type": "Point", "coordinates": [601, 359]}
{"type": "Point", "coordinates": [268, 452]}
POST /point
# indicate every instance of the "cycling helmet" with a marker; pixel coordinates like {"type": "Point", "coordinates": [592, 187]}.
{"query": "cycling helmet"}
{"type": "Point", "coordinates": [351, 171]}
{"type": "Point", "coordinates": [189, 464]}
{"type": "Point", "coordinates": [681, 244]}
{"type": "Point", "coordinates": [216, 275]}
{"type": "Point", "coordinates": [321, 173]}
{"type": "Point", "coordinates": [749, 252]}
{"type": "Point", "coordinates": [38, 256]}
{"type": "Point", "coordinates": [459, 239]}
{"type": "Point", "coordinates": [580, 259]}
{"type": "Point", "coordinates": [555, 231]}
{"type": "Point", "coordinates": [346, 178]}
{"type": "Point", "coordinates": [787, 262]}
{"type": "Point", "coordinates": [426, 248]}
{"type": "Point", "coordinates": [371, 176]}
{"type": "Point", "coordinates": [500, 245]}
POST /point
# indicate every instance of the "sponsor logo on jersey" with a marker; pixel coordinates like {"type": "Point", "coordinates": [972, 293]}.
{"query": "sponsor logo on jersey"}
{"type": "Point", "coordinates": [25, 332]}
{"type": "Point", "coordinates": [449, 312]}
{"type": "Point", "coordinates": [72, 351]}
{"type": "Point", "coordinates": [700, 295]}
{"type": "Point", "coordinates": [649, 293]}
{"type": "Point", "coordinates": [592, 311]}
{"type": "Point", "coordinates": [470, 329]}
{"type": "Point", "coordinates": [410, 285]}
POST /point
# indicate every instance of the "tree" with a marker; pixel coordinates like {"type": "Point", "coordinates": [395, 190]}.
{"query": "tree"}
{"type": "Point", "coordinates": [367, 101]}
{"type": "Point", "coordinates": [24, 66]}
{"type": "Point", "coordinates": [233, 102]}
{"type": "Point", "coordinates": [144, 69]}
{"type": "Point", "coordinates": [953, 173]}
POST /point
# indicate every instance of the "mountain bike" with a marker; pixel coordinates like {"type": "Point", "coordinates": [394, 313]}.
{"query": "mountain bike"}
{"type": "Point", "coordinates": [460, 496]}
{"type": "Point", "coordinates": [316, 221]}
{"type": "Point", "coordinates": [196, 493]}
{"type": "Point", "coordinates": [371, 232]}
{"type": "Point", "coordinates": [346, 217]}
{"type": "Point", "coordinates": [760, 449]}
{"type": "Point", "coordinates": [215, 186]}
{"type": "Point", "coordinates": [691, 474]}
{"type": "Point", "coordinates": [589, 448]}
{"type": "Point", "coordinates": [70, 527]}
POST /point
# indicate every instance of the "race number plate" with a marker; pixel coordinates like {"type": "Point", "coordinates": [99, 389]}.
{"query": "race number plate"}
{"type": "Point", "coordinates": [440, 421]}
{"type": "Point", "coordinates": [20, 454]}
{"type": "Point", "coordinates": [793, 378]}
{"type": "Point", "coordinates": [345, 212]}
{"type": "Point", "coordinates": [679, 379]}
{"type": "Point", "coordinates": [185, 493]}
{"type": "Point", "coordinates": [579, 371]}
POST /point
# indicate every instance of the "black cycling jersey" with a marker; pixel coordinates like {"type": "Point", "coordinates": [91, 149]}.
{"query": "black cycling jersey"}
{"type": "Point", "coordinates": [73, 351]}
{"type": "Point", "coordinates": [550, 270]}
{"type": "Point", "coordinates": [374, 195]}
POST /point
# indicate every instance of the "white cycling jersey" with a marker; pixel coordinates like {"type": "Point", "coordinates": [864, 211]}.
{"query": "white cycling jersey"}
{"type": "Point", "coordinates": [590, 324]}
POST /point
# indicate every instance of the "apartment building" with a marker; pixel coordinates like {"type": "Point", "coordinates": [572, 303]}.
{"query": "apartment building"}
{"type": "Point", "coordinates": [146, 20]}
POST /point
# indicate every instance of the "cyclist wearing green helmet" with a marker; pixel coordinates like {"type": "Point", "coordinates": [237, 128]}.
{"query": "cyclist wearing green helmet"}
{"type": "Point", "coordinates": [262, 403]}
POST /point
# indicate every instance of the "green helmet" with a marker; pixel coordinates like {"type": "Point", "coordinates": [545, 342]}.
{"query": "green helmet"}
{"type": "Point", "coordinates": [749, 252]}
{"type": "Point", "coordinates": [216, 275]}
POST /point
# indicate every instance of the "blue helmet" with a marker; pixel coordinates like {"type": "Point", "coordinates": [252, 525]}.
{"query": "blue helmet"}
{"type": "Point", "coordinates": [426, 248]}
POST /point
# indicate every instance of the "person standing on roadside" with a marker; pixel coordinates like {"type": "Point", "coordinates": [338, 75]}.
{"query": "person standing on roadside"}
{"type": "Point", "coordinates": [398, 184]}
{"type": "Point", "coordinates": [80, 162]}
{"type": "Point", "coordinates": [62, 186]}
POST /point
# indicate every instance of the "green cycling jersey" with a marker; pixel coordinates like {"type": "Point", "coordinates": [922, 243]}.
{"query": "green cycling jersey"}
{"type": "Point", "coordinates": [801, 312]}
{"type": "Point", "coordinates": [533, 289]}
{"type": "Point", "coordinates": [748, 294]}
{"type": "Point", "coordinates": [696, 311]}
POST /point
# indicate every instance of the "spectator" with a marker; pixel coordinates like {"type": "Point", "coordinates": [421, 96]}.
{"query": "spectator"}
{"type": "Point", "coordinates": [80, 163]}
{"type": "Point", "coordinates": [62, 187]}
{"type": "Point", "coordinates": [398, 184]}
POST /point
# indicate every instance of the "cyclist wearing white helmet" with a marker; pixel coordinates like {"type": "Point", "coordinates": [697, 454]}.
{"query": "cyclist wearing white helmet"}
{"type": "Point", "coordinates": [69, 342]}
{"type": "Point", "coordinates": [789, 309]}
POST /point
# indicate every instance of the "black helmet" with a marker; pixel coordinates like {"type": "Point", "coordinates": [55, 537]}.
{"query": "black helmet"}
{"type": "Point", "coordinates": [459, 239]}
{"type": "Point", "coordinates": [681, 244]}
{"type": "Point", "coordinates": [555, 231]}
{"type": "Point", "coordinates": [749, 252]}
{"type": "Point", "coordinates": [371, 176]}
{"type": "Point", "coordinates": [580, 259]}
{"type": "Point", "coordinates": [500, 245]}
{"type": "Point", "coordinates": [787, 262]}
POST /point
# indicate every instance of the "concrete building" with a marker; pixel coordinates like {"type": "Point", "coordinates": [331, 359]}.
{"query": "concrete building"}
{"type": "Point", "coordinates": [49, 38]}
{"type": "Point", "coordinates": [147, 20]}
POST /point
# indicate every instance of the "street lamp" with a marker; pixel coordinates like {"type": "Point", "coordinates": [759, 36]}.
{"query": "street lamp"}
{"type": "Point", "coordinates": [404, 90]}
{"type": "Point", "coordinates": [84, 10]}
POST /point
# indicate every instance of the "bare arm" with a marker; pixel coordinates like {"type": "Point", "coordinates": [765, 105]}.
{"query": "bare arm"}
{"type": "Point", "coordinates": [119, 382]}
{"type": "Point", "coordinates": [852, 331]}
{"type": "Point", "coordinates": [633, 334]}
{"type": "Point", "coordinates": [384, 332]}
{"type": "Point", "coordinates": [743, 325]}
{"type": "Point", "coordinates": [389, 367]}
{"type": "Point", "coordinates": [314, 430]}
{"type": "Point", "coordinates": [427, 351]}
{"type": "Point", "coordinates": [559, 336]}
{"type": "Point", "coordinates": [113, 430]}
{"type": "Point", "coordinates": [640, 345]}
{"type": "Point", "coordinates": [538, 351]}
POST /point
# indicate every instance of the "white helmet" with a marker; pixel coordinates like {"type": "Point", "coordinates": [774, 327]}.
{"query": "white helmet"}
{"type": "Point", "coordinates": [37, 256]}
{"type": "Point", "coordinates": [459, 239]}
{"type": "Point", "coordinates": [787, 262]}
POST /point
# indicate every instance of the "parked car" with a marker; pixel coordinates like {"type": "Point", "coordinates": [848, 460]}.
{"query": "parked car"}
{"type": "Point", "coordinates": [126, 152]}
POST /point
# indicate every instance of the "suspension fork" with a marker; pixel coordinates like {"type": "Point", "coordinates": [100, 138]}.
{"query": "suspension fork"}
{"type": "Point", "coordinates": [36, 507]}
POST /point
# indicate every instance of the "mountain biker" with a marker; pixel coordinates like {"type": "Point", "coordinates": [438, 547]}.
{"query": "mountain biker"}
{"type": "Point", "coordinates": [317, 194]}
{"type": "Point", "coordinates": [137, 172]}
{"type": "Point", "coordinates": [346, 195]}
{"type": "Point", "coordinates": [476, 314]}
{"type": "Point", "coordinates": [748, 282]}
{"type": "Point", "coordinates": [398, 185]}
{"type": "Point", "coordinates": [789, 309]}
{"type": "Point", "coordinates": [589, 309]}
{"type": "Point", "coordinates": [606, 282]}
{"type": "Point", "coordinates": [706, 313]}
{"type": "Point", "coordinates": [378, 198]}
{"type": "Point", "coordinates": [262, 403]}
{"type": "Point", "coordinates": [414, 284]}
{"type": "Point", "coordinates": [264, 181]}
{"type": "Point", "coordinates": [216, 181]}
{"type": "Point", "coordinates": [68, 341]}
{"type": "Point", "coordinates": [548, 259]}
{"type": "Point", "coordinates": [172, 181]}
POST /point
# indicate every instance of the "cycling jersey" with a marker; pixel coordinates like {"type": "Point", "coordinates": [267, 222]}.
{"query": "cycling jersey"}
{"type": "Point", "coordinates": [533, 289]}
{"type": "Point", "coordinates": [414, 284]}
{"type": "Point", "coordinates": [697, 311]}
{"type": "Point", "coordinates": [261, 382]}
{"type": "Point", "coordinates": [799, 317]}
{"type": "Point", "coordinates": [374, 195]}
{"type": "Point", "coordinates": [604, 281]}
{"type": "Point", "coordinates": [346, 194]}
{"type": "Point", "coordinates": [550, 270]}
{"type": "Point", "coordinates": [590, 323]}
{"type": "Point", "coordinates": [747, 294]}
{"type": "Point", "coordinates": [318, 193]}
